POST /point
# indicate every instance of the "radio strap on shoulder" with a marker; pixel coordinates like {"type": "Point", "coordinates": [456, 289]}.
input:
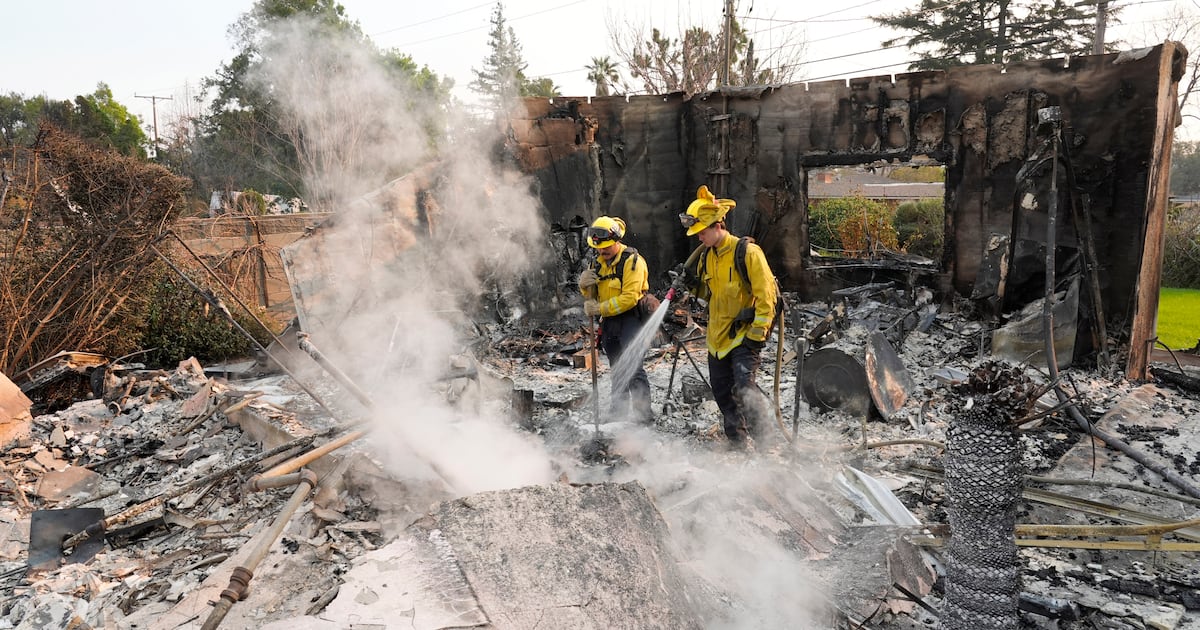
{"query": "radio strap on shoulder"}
{"type": "Point", "coordinates": [619, 268]}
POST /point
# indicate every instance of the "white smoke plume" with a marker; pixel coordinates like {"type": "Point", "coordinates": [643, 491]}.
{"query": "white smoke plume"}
{"type": "Point", "coordinates": [386, 287]}
{"type": "Point", "coordinates": [390, 308]}
{"type": "Point", "coordinates": [714, 504]}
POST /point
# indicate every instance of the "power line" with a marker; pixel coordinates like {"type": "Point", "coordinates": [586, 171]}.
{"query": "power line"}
{"type": "Point", "coordinates": [890, 65]}
{"type": "Point", "coordinates": [554, 74]}
{"type": "Point", "coordinates": [943, 57]}
{"type": "Point", "coordinates": [819, 39]}
{"type": "Point", "coordinates": [814, 61]}
{"type": "Point", "coordinates": [836, 57]}
{"type": "Point", "coordinates": [805, 21]}
{"type": "Point", "coordinates": [506, 20]}
{"type": "Point", "coordinates": [844, 9]}
{"type": "Point", "coordinates": [440, 17]}
{"type": "Point", "coordinates": [864, 30]}
{"type": "Point", "coordinates": [859, 19]}
{"type": "Point", "coordinates": [854, 54]}
{"type": "Point", "coordinates": [154, 112]}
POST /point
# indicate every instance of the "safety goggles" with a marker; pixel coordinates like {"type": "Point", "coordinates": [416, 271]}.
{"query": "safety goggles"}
{"type": "Point", "coordinates": [687, 220]}
{"type": "Point", "coordinates": [600, 235]}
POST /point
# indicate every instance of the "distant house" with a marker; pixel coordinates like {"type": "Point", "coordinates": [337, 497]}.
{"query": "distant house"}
{"type": "Point", "coordinates": [837, 183]}
{"type": "Point", "coordinates": [225, 202]}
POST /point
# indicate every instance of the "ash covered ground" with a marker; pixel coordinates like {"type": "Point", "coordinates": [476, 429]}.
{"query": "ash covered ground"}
{"type": "Point", "coordinates": [796, 533]}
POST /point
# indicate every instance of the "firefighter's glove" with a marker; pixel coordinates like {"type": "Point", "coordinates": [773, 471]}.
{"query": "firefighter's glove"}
{"type": "Point", "coordinates": [588, 280]}
{"type": "Point", "coordinates": [744, 318]}
{"type": "Point", "coordinates": [591, 307]}
{"type": "Point", "coordinates": [754, 346]}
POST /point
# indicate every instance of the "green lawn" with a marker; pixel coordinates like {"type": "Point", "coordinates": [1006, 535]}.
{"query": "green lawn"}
{"type": "Point", "coordinates": [1179, 317]}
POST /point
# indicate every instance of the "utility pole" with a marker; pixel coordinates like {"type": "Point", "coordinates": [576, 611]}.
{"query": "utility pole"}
{"type": "Point", "coordinates": [1098, 44]}
{"type": "Point", "coordinates": [720, 174]}
{"type": "Point", "coordinates": [1101, 20]}
{"type": "Point", "coordinates": [728, 42]}
{"type": "Point", "coordinates": [154, 113]}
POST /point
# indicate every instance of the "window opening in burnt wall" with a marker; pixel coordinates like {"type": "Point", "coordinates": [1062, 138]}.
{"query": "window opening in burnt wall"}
{"type": "Point", "coordinates": [876, 212]}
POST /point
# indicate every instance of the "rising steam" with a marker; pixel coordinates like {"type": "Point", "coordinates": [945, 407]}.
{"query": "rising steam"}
{"type": "Point", "coordinates": [384, 289]}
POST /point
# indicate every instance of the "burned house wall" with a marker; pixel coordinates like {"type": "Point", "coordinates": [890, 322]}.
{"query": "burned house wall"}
{"type": "Point", "coordinates": [1108, 108]}
{"type": "Point", "coordinates": [634, 166]}
{"type": "Point", "coordinates": [776, 134]}
{"type": "Point", "coordinates": [754, 145]}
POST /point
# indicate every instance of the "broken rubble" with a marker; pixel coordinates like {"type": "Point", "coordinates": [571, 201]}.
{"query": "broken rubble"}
{"type": "Point", "coordinates": [788, 517]}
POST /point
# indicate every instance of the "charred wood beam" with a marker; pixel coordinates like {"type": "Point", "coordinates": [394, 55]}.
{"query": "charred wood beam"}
{"type": "Point", "coordinates": [855, 159]}
{"type": "Point", "coordinates": [1053, 117]}
{"type": "Point", "coordinates": [100, 527]}
{"type": "Point", "coordinates": [1082, 218]}
{"type": "Point", "coordinates": [1145, 313]}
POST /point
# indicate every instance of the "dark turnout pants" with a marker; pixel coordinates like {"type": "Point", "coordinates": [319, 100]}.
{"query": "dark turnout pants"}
{"type": "Point", "coordinates": [733, 388]}
{"type": "Point", "coordinates": [617, 334]}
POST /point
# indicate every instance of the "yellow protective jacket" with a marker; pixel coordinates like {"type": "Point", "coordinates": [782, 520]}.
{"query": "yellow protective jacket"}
{"type": "Point", "coordinates": [619, 292]}
{"type": "Point", "coordinates": [727, 295]}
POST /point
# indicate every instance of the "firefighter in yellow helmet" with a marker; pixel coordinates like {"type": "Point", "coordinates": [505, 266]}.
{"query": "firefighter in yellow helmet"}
{"type": "Point", "coordinates": [740, 313]}
{"type": "Point", "coordinates": [611, 290]}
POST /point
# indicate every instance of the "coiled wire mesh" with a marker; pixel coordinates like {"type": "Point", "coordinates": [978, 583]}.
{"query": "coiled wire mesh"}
{"type": "Point", "coordinates": [984, 476]}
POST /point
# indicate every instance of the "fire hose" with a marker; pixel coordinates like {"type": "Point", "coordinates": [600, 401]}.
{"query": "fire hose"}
{"type": "Point", "coordinates": [778, 370]}
{"type": "Point", "coordinates": [239, 581]}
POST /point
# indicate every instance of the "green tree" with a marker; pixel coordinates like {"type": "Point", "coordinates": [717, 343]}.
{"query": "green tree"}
{"type": "Point", "coordinates": [177, 323]}
{"type": "Point", "coordinates": [1185, 169]}
{"type": "Point", "coordinates": [920, 227]}
{"type": "Point", "coordinates": [502, 79]}
{"type": "Point", "coordinates": [503, 74]}
{"type": "Point", "coordinates": [543, 87]}
{"type": "Point", "coordinates": [949, 33]}
{"type": "Point", "coordinates": [277, 124]}
{"type": "Point", "coordinates": [95, 117]}
{"type": "Point", "coordinates": [19, 119]}
{"type": "Point", "coordinates": [104, 121]}
{"type": "Point", "coordinates": [603, 72]}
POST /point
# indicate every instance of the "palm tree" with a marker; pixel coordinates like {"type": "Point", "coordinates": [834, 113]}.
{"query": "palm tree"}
{"type": "Point", "coordinates": [603, 72]}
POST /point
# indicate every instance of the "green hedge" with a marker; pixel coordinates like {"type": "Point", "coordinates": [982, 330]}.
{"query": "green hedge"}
{"type": "Point", "coordinates": [831, 221]}
{"type": "Point", "coordinates": [1181, 247]}
{"type": "Point", "coordinates": [921, 226]}
{"type": "Point", "coordinates": [916, 227]}
{"type": "Point", "coordinates": [180, 324]}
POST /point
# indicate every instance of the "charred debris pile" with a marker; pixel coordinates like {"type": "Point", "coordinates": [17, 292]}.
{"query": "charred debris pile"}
{"type": "Point", "coordinates": [910, 478]}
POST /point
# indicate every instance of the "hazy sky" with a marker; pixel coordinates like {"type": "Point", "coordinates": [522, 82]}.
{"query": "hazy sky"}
{"type": "Point", "coordinates": [143, 48]}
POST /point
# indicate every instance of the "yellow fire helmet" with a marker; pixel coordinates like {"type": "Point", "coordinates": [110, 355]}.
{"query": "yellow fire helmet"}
{"type": "Point", "coordinates": [705, 211]}
{"type": "Point", "coordinates": [605, 231]}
